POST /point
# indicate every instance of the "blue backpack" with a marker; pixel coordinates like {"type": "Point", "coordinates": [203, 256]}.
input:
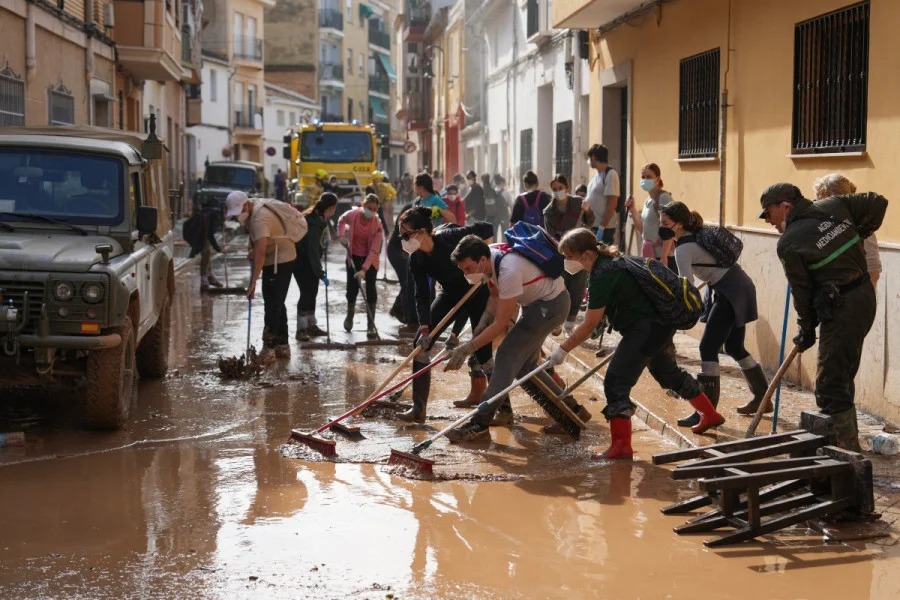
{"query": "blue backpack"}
{"type": "Point", "coordinates": [533, 213]}
{"type": "Point", "coordinates": [535, 244]}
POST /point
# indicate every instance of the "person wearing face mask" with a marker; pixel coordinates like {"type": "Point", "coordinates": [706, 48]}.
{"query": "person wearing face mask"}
{"type": "Point", "coordinates": [361, 234]}
{"type": "Point", "coordinates": [455, 203]}
{"type": "Point", "coordinates": [646, 341]}
{"type": "Point", "coordinates": [429, 252]}
{"type": "Point", "coordinates": [647, 222]}
{"type": "Point", "coordinates": [273, 256]}
{"type": "Point", "coordinates": [427, 197]}
{"type": "Point", "coordinates": [529, 207]}
{"type": "Point", "coordinates": [821, 250]}
{"type": "Point", "coordinates": [603, 192]}
{"type": "Point", "coordinates": [514, 282]}
{"type": "Point", "coordinates": [475, 198]}
{"type": "Point", "coordinates": [308, 270]}
{"type": "Point", "coordinates": [731, 305]}
{"type": "Point", "coordinates": [564, 214]}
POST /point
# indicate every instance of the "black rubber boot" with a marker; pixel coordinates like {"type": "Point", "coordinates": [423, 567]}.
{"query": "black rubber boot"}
{"type": "Point", "coordinates": [348, 320]}
{"type": "Point", "coordinates": [421, 388]}
{"type": "Point", "coordinates": [710, 386]}
{"type": "Point", "coordinates": [371, 331]}
{"type": "Point", "coordinates": [756, 379]}
{"type": "Point", "coordinates": [847, 430]}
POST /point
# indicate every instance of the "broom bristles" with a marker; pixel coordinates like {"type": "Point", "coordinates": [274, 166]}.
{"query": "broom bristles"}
{"type": "Point", "coordinates": [554, 411]}
{"type": "Point", "coordinates": [411, 461]}
{"type": "Point", "coordinates": [320, 445]}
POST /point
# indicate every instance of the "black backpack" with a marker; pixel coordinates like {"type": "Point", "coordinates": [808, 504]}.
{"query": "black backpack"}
{"type": "Point", "coordinates": [676, 300]}
{"type": "Point", "coordinates": [724, 246]}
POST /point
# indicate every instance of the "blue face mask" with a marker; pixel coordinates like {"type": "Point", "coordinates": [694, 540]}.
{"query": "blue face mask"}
{"type": "Point", "coordinates": [648, 184]}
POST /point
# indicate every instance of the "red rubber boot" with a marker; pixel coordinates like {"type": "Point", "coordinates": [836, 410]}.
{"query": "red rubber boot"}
{"type": "Point", "coordinates": [620, 447]}
{"type": "Point", "coordinates": [709, 418]}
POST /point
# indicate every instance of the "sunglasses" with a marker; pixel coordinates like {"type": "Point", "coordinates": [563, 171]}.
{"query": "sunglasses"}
{"type": "Point", "coordinates": [405, 236]}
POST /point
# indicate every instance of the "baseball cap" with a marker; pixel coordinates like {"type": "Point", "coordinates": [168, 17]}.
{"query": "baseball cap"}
{"type": "Point", "coordinates": [234, 203]}
{"type": "Point", "coordinates": [776, 194]}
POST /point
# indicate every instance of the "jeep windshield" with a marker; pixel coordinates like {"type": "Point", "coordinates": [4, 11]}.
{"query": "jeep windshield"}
{"type": "Point", "coordinates": [229, 176]}
{"type": "Point", "coordinates": [336, 146]}
{"type": "Point", "coordinates": [56, 186]}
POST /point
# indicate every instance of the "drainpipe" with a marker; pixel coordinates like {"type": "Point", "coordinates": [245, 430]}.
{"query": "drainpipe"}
{"type": "Point", "coordinates": [723, 122]}
{"type": "Point", "coordinates": [515, 74]}
{"type": "Point", "coordinates": [30, 54]}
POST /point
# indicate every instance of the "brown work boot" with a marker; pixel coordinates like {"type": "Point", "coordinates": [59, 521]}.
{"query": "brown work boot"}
{"type": "Point", "coordinates": [759, 385]}
{"type": "Point", "coordinates": [476, 392]}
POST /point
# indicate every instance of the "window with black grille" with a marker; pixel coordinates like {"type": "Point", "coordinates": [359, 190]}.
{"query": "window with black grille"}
{"type": "Point", "coordinates": [12, 98]}
{"type": "Point", "coordinates": [698, 106]}
{"type": "Point", "coordinates": [831, 68]}
{"type": "Point", "coordinates": [564, 149]}
{"type": "Point", "coordinates": [526, 139]}
{"type": "Point", "coordinates": [532, 18]}
{"type": "Point", "coordinates": [60, 106]}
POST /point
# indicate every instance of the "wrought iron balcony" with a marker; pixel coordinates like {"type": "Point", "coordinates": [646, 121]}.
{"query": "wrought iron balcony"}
{"type": "Point", "coordinates": [248, 117]}
{"type": "Point", "coordinates": [331, 72]}
{"type": "Point", "coordinates": [330, 18]}
{"type": "Point", "coordinates": [380, 84]}
{"type": "Point", "coordinates": [248, 48]}
{"type": "Point", "coordinates": [379, 37]}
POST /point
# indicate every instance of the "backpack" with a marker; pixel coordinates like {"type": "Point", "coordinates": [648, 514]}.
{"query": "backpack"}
{"type": "Point", "coordinates": [293, 223]}
{"type": "Point", "coordinates": [536, 245]}
{"type": "Point", "coordinates": [192, 230]}
{"type": "Point", "coordinates": [533, 213]}
{"type": "Point", "coordinates": [675, 299]}
{"type": "Point", "coordinates": [724, 246]}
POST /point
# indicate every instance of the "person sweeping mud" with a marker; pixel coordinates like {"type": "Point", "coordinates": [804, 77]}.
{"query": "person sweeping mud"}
{"type": "Point", "coordinates": [646, 340]}
{"type": "Point", "coordinates": [731, 305]}
{"type": "Point", "coordinates": [430, 257]}
{"type": "Point", "coordinates": [361, 234]}
{"type": "Point", "coordinates": [308, 269]}
{"type": "Point", "coordinates": [514, 282]}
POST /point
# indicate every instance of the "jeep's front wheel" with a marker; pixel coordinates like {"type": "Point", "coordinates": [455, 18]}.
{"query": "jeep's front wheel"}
{"type": "Point", "coordinates": [111, 376]}
{"type": "Point", "coordinates": [153, 351]}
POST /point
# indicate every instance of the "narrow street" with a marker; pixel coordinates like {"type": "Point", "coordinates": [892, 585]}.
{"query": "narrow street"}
{"type": "Point", "coordinates": [201, 496]}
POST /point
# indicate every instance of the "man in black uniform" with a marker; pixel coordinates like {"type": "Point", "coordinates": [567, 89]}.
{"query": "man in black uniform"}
{"type": "Point", "coordinates": [429, 261]}
{"type": "Point", "coordinates": [822, 253]}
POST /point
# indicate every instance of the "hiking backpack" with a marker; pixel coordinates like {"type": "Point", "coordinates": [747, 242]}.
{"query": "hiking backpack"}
{"type": "Point", "coordinates": [293, 223]}
{"type": "Point", "coordinates": [533, 213]}
{"type": "Point", "coordinates": [675, 299]}
{"type": "Point", "coordinates": [533, 243]}
{"type": "Point", "coordinates": [723, 245]}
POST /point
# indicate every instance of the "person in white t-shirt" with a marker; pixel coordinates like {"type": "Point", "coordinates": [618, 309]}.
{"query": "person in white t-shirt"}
{"type": "Point", "coordinates": [514, 282]}
{"type": "Point", "coordinates": [603, 193]}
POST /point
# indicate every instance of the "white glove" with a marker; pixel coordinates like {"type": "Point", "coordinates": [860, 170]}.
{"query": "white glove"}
{"type": "Point", "coordinates": [458, 356]}
{"type": "Point", "coordinates": [483, 323]}
{"type": "Point", "coordinates": [558, 356]}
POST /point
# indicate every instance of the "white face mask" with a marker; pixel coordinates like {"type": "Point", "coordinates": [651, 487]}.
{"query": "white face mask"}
{"type": "Point", "coordinates": [572, 266]}
{"type": "Point", "coordinates": [411, 245]}
{"type": "Point", "coordinates": [368, 213]}
{"type": "Point", "coordinates": [560, 195]}
{"type": "Point", "coordinates": [476, 278]}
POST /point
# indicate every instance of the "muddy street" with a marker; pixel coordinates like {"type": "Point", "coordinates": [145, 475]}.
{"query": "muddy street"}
{"type": "Point", "coordinates": [202, 496]}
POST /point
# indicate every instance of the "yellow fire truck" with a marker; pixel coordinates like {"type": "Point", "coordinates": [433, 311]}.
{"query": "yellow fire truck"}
{"type": "Point", "coordinates": [346, 151]}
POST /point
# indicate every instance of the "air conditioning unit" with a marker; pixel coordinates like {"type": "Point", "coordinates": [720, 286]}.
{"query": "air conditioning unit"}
{"type": "Point", "coordinates": [537, 21]}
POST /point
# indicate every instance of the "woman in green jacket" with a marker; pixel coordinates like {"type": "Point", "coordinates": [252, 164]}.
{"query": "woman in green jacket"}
{"type": "Point", "coordinates": [308, 270]}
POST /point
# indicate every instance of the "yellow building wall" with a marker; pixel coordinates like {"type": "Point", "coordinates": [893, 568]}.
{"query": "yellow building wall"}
{"type": "Point", "coordinates": [759, 82]}
{"type": "Point", "coordinates": [760, 86]}
{"type": "Point", "coordinates": [356, 87]}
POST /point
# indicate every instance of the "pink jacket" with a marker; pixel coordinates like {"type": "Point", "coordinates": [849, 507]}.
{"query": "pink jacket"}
{"type": "Point", "coordinates": [359, 231]}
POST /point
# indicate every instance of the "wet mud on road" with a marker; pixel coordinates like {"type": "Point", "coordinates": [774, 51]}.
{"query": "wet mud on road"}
{"type": "Point", "coordinates": [203, 496]}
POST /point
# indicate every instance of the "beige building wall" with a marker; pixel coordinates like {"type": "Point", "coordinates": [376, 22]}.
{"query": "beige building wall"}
{"type": "Point", "coordinates": [356, 76]}
{"type": "Point", "coordinates": [292, 45]}
{"type": "Point", "coordinates": [645, 56]}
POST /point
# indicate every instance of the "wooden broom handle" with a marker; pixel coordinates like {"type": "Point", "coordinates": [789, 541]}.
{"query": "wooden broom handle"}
{"type": "Point", "coordinates": [773, 385]}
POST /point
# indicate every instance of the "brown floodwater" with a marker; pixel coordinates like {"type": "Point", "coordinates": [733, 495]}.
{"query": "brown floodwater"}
{"type": "Point", "coordinates": [203, 496]}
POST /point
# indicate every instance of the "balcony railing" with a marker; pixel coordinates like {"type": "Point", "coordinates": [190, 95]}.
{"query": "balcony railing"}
{"type": "Point", "coordinates": [248, 48]}
{"type": "Point", "coordinates": [379, 84]}
{"type": "Point", "coordinates": [331, 72]}
{"type": "Point", "coordinates": [331, 118]}
{"type": "Point", "coordinates": [330, 18]}
{"type": "Point", "coordinates": [379, 37]}
{"type": "Point", "coordinates": [248, 117]}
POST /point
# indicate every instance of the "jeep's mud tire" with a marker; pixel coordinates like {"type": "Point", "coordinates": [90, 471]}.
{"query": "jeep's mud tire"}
{"type": "Point", "coordinates": [111, 376]}
{"type": "Point", "coordinates": [153, 351]}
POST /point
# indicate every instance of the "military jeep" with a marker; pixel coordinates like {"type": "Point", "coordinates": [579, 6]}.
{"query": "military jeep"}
{"type": "Point", "coordinates": [86, 269]}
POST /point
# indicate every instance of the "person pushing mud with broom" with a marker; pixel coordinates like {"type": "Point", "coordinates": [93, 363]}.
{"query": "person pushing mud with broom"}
{"type": "Point", "coordinates": [429, 257]}
{"type": "Point", "coordinates": [514, 281]}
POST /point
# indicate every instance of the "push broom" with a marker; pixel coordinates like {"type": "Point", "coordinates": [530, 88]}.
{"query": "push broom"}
{"type": "Point", "coordinates": [425, 466]}
{"type": "Point", "coordinates": [327, 447]}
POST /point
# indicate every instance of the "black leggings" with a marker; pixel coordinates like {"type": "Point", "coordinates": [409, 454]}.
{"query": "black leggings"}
{"type": "Point", "coordinates": [353, 282]}
{"type": "Point", "coordinates": [720, 330]}
{"type": "Point", "coordinates": [308, 284]}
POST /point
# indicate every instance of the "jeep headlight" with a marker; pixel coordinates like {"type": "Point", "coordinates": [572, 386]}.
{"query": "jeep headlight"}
{"type": "Point", "coordinates": [92, 292]}
{"type": "Point", "coordinates": [63, 291]}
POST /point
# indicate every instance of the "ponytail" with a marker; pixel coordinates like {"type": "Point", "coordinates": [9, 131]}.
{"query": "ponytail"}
{"type": "Point", "coordinates": [581, 240]}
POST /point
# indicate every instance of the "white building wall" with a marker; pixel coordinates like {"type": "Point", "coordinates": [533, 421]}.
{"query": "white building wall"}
{"type": "Point", "coordinates": [273, 132]}
{"type": "Point", "coordinates": [211, 137]}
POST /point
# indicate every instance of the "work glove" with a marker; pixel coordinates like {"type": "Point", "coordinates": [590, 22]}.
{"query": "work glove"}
{"type": "Point", "coordinates": [805, 339]}
{"type": "Point", "coordinates": [557, 357]}
{"type": "Point", "coordinates": [360, 275]}
{"type": "Point", "coordinates": [324, 280]}
{"type": "Point", "coordinates": [452, 342]}
{"type": "Point", "coordinates": [483, 323]}
{"type": "Point", "coordinates": [458, 356]}
{"type": "Point", "coordinates": [422, 338]}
